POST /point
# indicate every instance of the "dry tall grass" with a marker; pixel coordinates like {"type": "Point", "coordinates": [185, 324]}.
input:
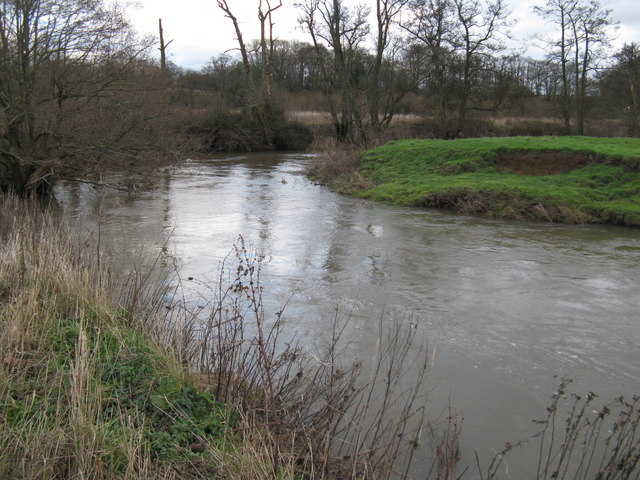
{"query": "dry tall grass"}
{"type": "Point", "coordinates": [41, 285]}
{"type": "Point", "coordinates": [60, 417]}
{"type": "Point", "coordinates": [337, 164]}
{"type": "Point", "coordinates": [94, 374]}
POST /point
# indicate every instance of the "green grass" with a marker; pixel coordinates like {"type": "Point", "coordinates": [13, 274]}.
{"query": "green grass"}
{"type": "Point", "coordinates": [466, 174]}
{"type": "Point", "coordinates": [85, 391]}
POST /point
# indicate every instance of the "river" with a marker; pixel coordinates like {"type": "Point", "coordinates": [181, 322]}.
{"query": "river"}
{"type": "Point", "coordinates": [506, 306]}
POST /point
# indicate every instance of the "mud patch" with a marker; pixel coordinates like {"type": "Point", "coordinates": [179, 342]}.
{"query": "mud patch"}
{"type": "Point", "coordinates": [542, 163]}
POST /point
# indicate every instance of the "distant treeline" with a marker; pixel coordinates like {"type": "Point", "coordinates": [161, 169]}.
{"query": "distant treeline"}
{"type": "Point", "coordinates": [505, 86]}
{"type": "Point", "coordinates": [445, 60]}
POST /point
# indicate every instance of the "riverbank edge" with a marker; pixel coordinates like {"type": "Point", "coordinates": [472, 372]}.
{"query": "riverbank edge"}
{"type": "Point", "coordinates": [87, 389]}
{"type": "Point", "coordinates": [419, 173]}
{"type": "Point", "coordinates": [99, 376]}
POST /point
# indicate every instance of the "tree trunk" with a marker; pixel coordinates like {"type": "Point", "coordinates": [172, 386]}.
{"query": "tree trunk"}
{"type": "Point", "coordinates": [21, 178]}
{"type": "Point", "coordinates": [566, 97]}
{"type": "Point", "coordinates": [582, 92]}
{"type": "Point", "coordinates": [163, 47]}
{"type": "Point", "coordinates": [634, 110]}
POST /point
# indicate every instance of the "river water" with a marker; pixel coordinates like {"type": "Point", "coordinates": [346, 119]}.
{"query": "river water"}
{"type": "Point", "coordinates": [505, 306]}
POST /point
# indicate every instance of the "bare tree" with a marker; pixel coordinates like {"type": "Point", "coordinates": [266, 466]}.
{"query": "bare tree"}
{"type": "Point", "coordinates": [163, 47]}
{"type": "Point", "coordinates": [620, 85]}
{"type": "Point", "coordinates": [432, 23]}
{"type": "Point", "coordinates": [365, 81]}
{"type": "Point", "coordinates": [584, 27]}
{"type": "Point", "coordinates": [334, 27]}
{"type": "Point", "coordinates": [591, 25]}
{"type": "Point", "coordinates": [42, 43]}
{"type": "Point", "coordinates": [224, 6]}
{"type": "Point", "coordinates": [481, 25]}
{"type": "Point", "coordinates": [559, 12]}
{"type": "Point", "coordinates": [460, 36]}
{"type": "Point", "coordinates": [221, 70]}
{"type": "Point", "coordinates": [266, 45]}
{"type": "Point", "coordinates": [260, 103]}
{"type": "Point", "coordinates": [386, 13]}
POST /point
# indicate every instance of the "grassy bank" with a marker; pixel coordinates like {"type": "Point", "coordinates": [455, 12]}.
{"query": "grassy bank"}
{"type": "Point", "coordinates": [108, 376]}
{"type": "Point", "coordinates": [558, 179]}
{"type": "Point", "coordinates": [85, 390]}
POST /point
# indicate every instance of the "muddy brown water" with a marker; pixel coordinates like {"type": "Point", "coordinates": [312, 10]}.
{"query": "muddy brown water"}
{"type": "Point", "coordinates": [506, 306]}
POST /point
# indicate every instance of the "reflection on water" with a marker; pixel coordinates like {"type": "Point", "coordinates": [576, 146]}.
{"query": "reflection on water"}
{"type": "Point", "coordinates": [505, 305]}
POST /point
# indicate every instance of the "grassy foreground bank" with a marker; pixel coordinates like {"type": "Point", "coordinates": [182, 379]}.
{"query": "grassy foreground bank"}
{"type": "Point", "coordinates": [86, 391]}
{"type": "Point", "coordinates": [101, 378]}
{"type": "Point", "coordinates": [558, 179]}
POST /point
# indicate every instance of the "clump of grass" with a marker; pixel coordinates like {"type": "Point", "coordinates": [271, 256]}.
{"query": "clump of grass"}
{"type": "Point", "coordinates": [84, 392]}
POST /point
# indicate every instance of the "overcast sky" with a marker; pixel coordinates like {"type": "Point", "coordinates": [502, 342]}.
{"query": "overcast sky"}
{"type": "Point", "coordinates": [200, 31]}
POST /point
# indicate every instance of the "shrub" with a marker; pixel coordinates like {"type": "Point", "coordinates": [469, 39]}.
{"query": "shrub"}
{"type": "Point", "coordinates": [259, 128]}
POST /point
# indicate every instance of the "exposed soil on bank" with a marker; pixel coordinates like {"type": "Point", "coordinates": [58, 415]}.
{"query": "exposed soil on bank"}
{"type": "Point", "coordinates": [542, 163]}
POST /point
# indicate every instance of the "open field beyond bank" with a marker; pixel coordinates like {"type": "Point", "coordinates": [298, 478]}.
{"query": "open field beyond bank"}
{"type": "Point", "coordinates": [557, 179]}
